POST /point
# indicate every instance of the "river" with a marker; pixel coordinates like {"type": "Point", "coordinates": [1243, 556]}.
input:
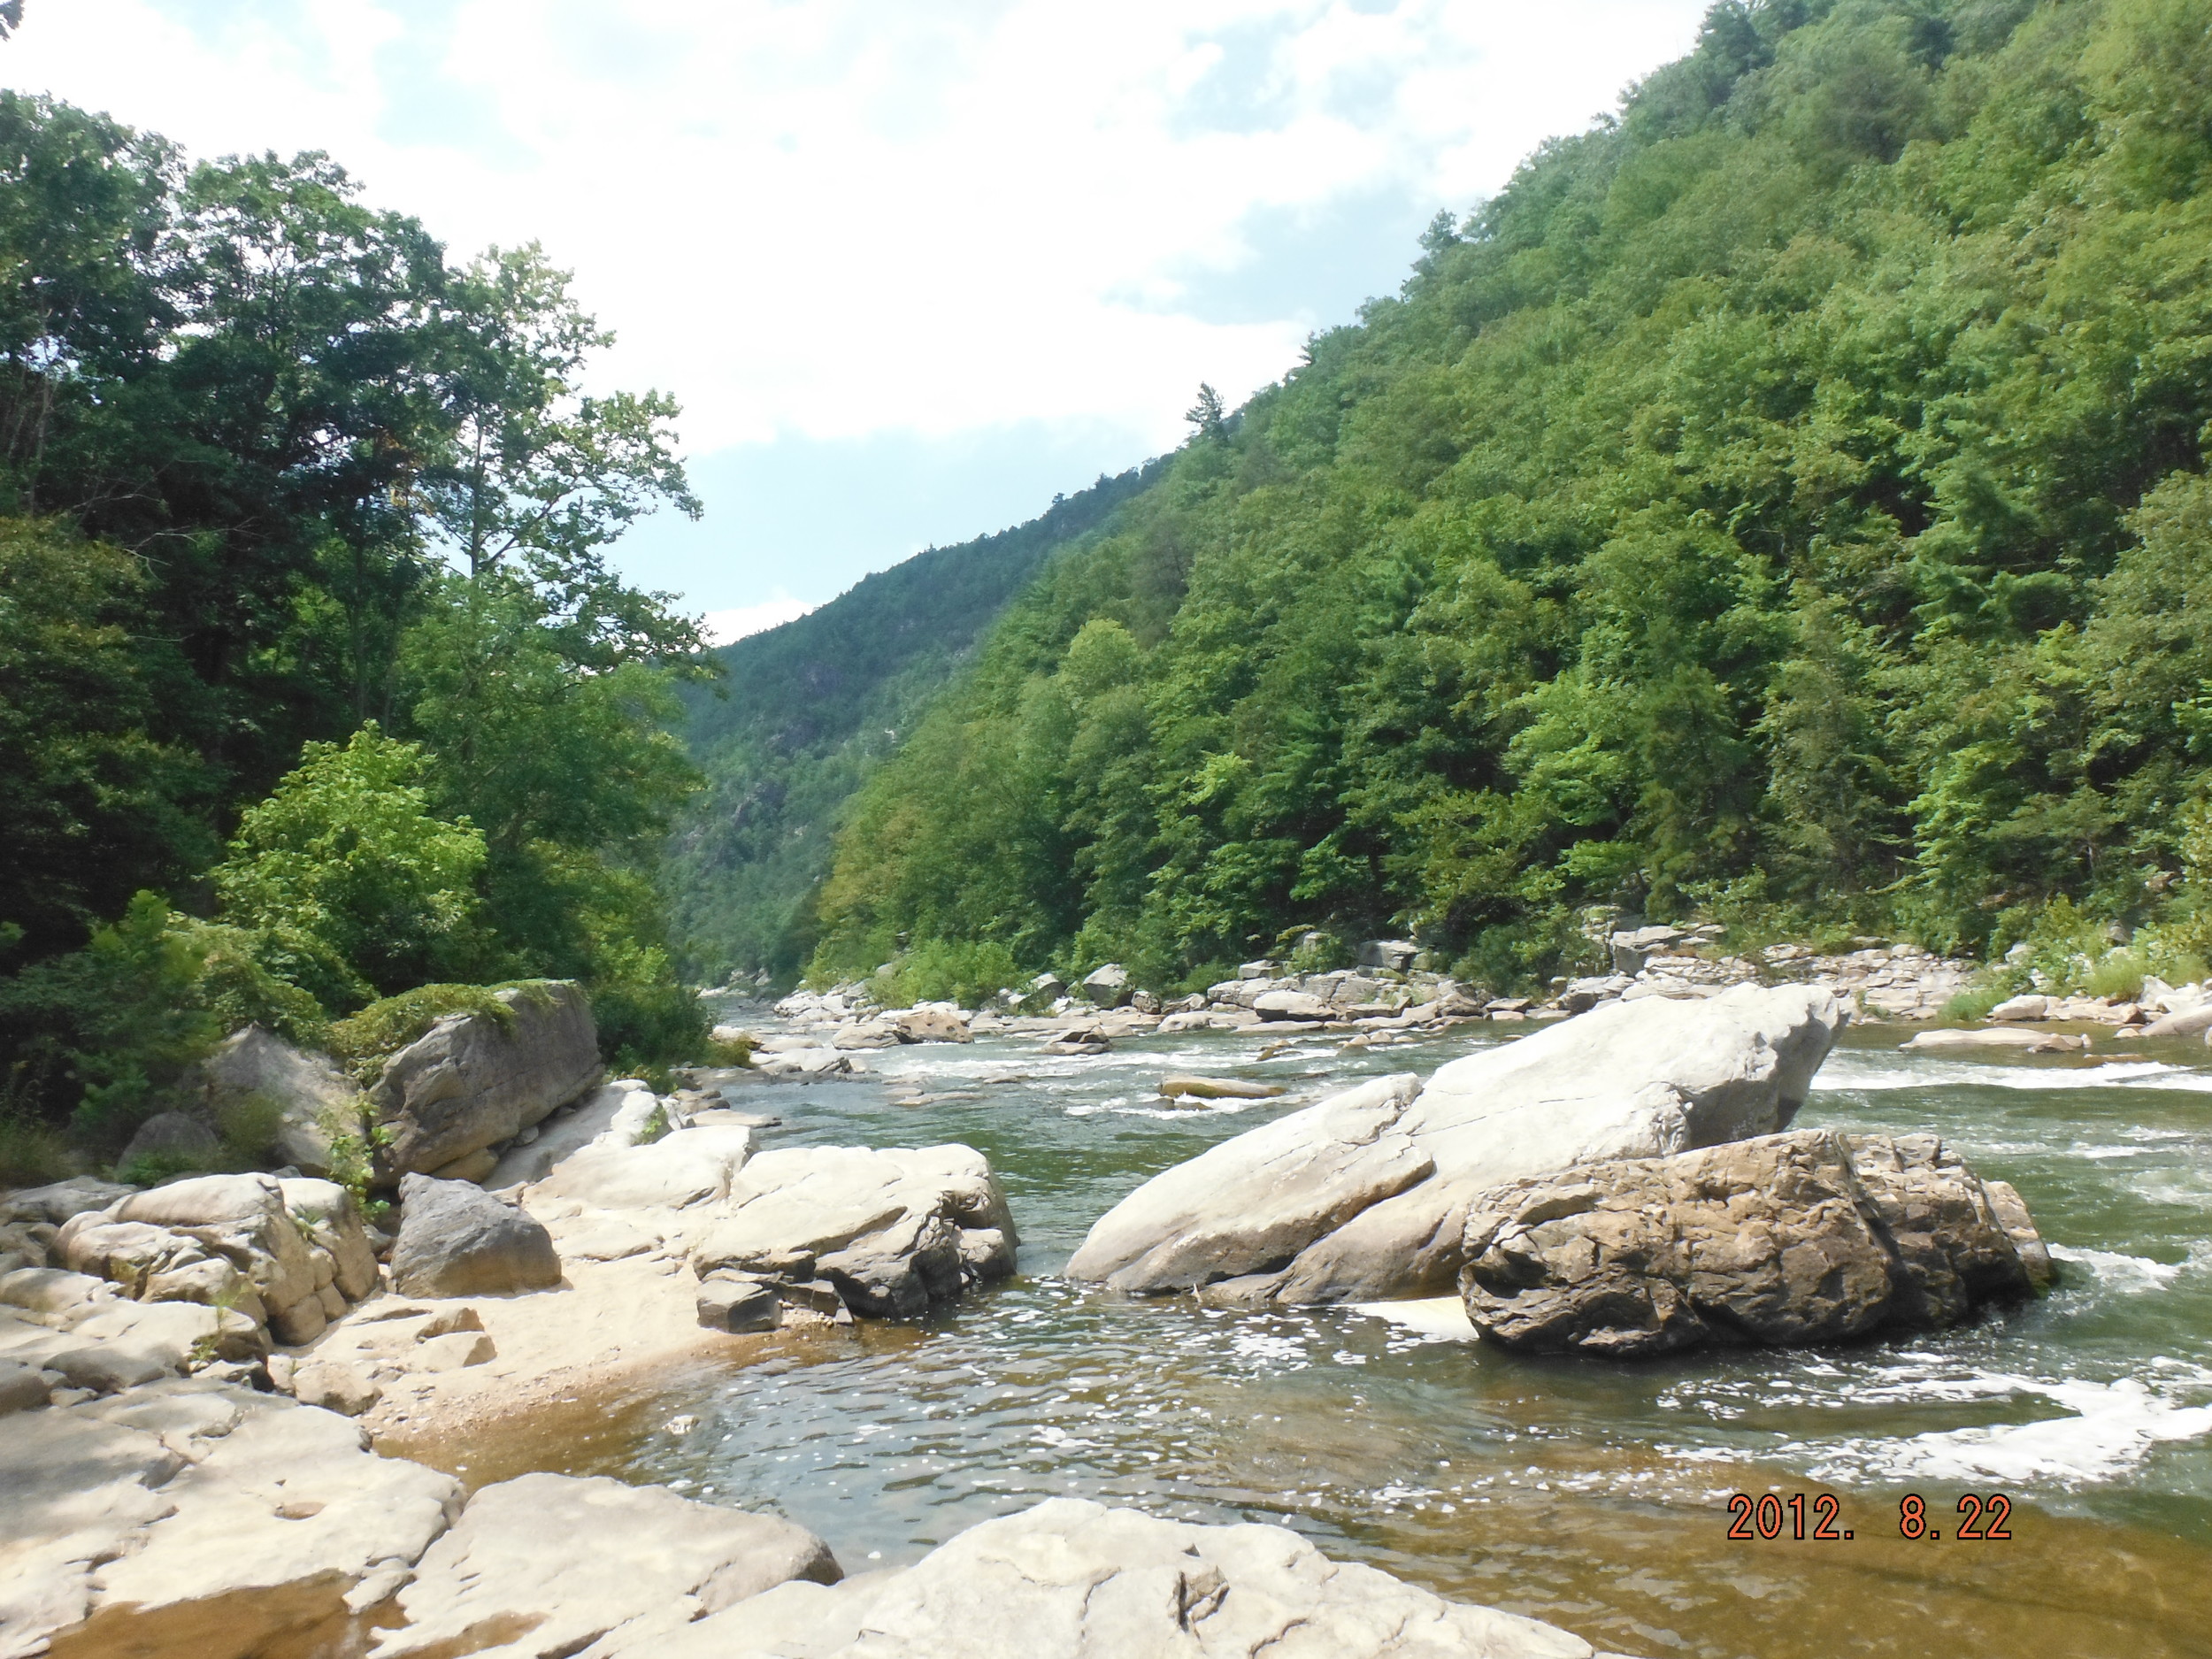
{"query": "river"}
{"type": "Point", "coordinates": [1593, 1495]}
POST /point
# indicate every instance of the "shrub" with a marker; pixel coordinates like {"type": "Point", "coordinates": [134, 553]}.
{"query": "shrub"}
{"type": "Point", "coordinates": [967, 972]}
{"type": "Point", "coordinates": [105, 1036]}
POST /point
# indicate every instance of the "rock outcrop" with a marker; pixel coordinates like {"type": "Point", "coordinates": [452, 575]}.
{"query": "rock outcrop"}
{"type": "Point", "coordinates": [473, 1082]}
{"type": "Point", "coordinates": [290, 1254]}
{"type": "Point", "coordinates": [457, 1240]}
{"type": "Point", "coordinates": [191, 1517]}
{"type": "Point", "coordinates": [1365, 1196]}
{"type": "Point", "coordinates": [1072, 1579]}
{"type": "Point", "coordinates": [545, 1565]}
{"type": "Point", "coordinates": [895, 1231]}
{"type": "Point", "coordinates": [316, 1107]}
{"type": "Point", "coordinates": [1784, 1241]}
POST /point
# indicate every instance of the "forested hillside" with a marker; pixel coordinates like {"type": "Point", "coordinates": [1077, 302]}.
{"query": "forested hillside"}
{"type": "Point", "coordinates": [1785, 501]}
{"type": "Point", "coordinates": [315, 684]}
{"type": "Point", "coordinates": [805, 713]}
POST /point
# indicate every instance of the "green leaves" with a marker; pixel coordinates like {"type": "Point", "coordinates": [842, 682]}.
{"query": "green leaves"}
{"type": "Point", "coordinates": [1797, 485]}
{"type": "Point", "coordinates": [361, 891]}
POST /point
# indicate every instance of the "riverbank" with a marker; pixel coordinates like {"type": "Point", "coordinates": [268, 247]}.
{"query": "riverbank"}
{"type": "Point", "coordinates": [1591, 1497]}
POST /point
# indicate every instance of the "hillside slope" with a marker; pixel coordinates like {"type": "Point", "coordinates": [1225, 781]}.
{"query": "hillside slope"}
{"type": "Point", "coordinates": [807, 712]}
{"type": "Point", "coordinates": [1785, 500]}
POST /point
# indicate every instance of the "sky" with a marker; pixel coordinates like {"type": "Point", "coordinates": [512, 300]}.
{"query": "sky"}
{"type": "Point", "coordinates": [911, 267]}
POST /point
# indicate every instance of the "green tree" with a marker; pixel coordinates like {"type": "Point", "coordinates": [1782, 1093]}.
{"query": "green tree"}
{"type": "Point", "coordinates": [357, 889]}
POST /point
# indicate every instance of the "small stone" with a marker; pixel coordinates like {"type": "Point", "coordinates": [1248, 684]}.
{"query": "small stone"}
{"type": "Point", "coordinates": [456, 1352]}
{"type": "Point", "coordinates": [334, 1386]}
{"type": "Point", "coordinates": [738, 1303]}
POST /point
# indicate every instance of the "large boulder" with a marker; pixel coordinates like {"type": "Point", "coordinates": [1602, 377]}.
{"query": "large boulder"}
{"type": "Point", "coordinates": [291, 1255]}
{"type": "Point", "coordinates": [930, 1022]}
{"type": "Point", "coordinates": [1783, 1240]}
{"type": "Point", "coordinates": [1072, 1579]}
{"type": "Point", "coordinates": [474, 1081]}
{"type": "Point", "coordinates": [316, 1108]}
{"type": "Point", "coordinates": [894, 1230]}
{"type": "Point", "coordinates": [545, 1565]}
{"type": "Point", "coordinates": [1365, 1196]}
{"type": "Point", "coordinates": [1108, 987]}
{"type": "Point", "coordinates": [457, 1240]}
{"type": "Point", "coordinates": [194, 1518]}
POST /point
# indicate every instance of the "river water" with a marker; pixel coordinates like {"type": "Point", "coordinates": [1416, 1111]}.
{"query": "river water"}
{"type": "Point", "coordinates": [1593, 1495]}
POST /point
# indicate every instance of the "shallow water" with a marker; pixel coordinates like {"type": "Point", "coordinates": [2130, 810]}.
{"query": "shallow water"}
{"type": "Point", "coordinates": [1593, 1495]}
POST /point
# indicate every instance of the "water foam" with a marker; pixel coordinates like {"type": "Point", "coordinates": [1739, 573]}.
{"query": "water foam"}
{"type": "Point", "coordinates": [2130, 1275]}
{"type": "Point", "coordinates": [1856, 1071]}
{"type": "Point", "coordinates": [2112, 1428]}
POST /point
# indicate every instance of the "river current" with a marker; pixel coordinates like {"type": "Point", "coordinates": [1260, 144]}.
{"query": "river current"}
{"type": "Point", "coordinates": [1593, 1495]}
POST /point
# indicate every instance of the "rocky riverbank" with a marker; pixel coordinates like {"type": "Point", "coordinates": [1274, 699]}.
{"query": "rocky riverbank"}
{"type": "Point", "coordinates": [196, 1373]}
{"type": "Point", "coordinates": [1389, 999]}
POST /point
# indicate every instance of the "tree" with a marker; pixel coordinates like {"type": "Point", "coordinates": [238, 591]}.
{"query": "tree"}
{"type": "Point", "coordinates": [359, 890]}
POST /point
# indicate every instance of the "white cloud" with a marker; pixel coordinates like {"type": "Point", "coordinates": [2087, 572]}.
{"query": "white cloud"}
{"type": "Point", "coordinates": [841, 216]}
{"type": "Point", "coordinates": [722, 626]}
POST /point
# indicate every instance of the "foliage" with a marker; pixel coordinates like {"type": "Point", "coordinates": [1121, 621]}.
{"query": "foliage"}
{"type": "Point", "coordinates": [1795, 482]}
{"type": "Point", "coordinates": [359, 889]}
{"type": "Point", "coordinates": [969, 972]}
{"type": "Point", "coordinates": [303, 551]}
{"type": "Point", "coordinates": [114, 1029]}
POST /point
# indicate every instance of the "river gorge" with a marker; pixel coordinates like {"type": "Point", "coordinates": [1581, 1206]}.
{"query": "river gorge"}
{"type": "Point", "coordinates": [1591, 1496]}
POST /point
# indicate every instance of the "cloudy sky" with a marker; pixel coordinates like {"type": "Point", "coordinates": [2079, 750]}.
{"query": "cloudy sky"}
{"type": "Point", "coordinates": [911, 265]}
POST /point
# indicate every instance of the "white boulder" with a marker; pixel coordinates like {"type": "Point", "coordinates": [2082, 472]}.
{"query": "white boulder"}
{"type": "Point", "coordinates": [1364, 1196]}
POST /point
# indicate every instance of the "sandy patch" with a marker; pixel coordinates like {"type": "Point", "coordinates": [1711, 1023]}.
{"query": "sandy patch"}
{"type": "Point", "coordinates": [605, 1331]}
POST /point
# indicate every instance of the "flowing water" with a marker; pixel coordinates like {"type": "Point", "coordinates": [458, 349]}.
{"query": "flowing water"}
{"type": "Point", "coordinates": [1593, 1495]}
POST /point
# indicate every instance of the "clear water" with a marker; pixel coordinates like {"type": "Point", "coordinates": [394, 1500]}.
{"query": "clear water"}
{"type": "Point", "coordinates": [1590, 1494]}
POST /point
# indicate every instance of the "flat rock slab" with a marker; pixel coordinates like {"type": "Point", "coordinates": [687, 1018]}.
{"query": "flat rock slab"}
{"type": "Point", "coordinates": [1364, 1196]}
{"type": "Point", "coordinates": [1072, 1579]}
{"type": "Point", "coordinates": [1782, 1240]}
{"type": "Point", "coordinates": [202, 1519]}
{"type": "Point", "coordinates": [690, 1166]}
{"type": "Point", "coordinates": [548, 1565]}
{"type": "Point", "coordinates": [2005, 1037]}
{"type": "Point", "coordinates": [1217, 1088]}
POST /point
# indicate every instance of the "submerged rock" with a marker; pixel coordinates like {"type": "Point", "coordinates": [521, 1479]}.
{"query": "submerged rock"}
{"type": "Point", "coordinates": [474, 1081]}
{"type": "Point", "coordinates": [1072, 1579]}
{"type": "Point", "coordinates": [1784, 1240]}
{"type": "Point", "coordinates": [457, 1240]}
{"type": "Point", "coordinates": [1365, 1195]}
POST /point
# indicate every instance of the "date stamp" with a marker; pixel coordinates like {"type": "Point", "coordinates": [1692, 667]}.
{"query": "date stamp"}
{"type": "Point", "coordinates": [1983, 1518]}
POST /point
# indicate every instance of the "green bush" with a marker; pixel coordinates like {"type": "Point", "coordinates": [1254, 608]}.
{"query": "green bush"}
{"type": "Point", "coordinates": [358, 887]}
{"type": "Point", "coordinates": [106, 1036]}
{"type": "Point", "coordinates": [969, 972]}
